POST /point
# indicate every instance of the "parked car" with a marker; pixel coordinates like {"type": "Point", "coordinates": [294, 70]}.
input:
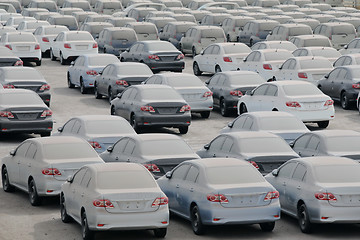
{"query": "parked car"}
{"type": "Point", "coordinates": [311, 41]}
{"type": "Point", "coordinates": [46, 34]}
{"type": "Point", "coordinates": [108, 6]}
{"type": "Point", "coordinates": [285, 31]}
{"type": "Point", "coordinates": [318, 190]}
{"type": "Point", "coordinates": [265, 151]}
{"type": "Point", "coordinates": [120, 21]}
{"type": "Point", "coordinates": [190, 87]}
{"type": "Point", "coordinates": [145, 31]}
{"type": "Point", "coordinates": [232, 26]}
{"type": "Point", "coordinates": [14, 21]}
{"type": "Point", "coordinates": [220, 57]}
{"type": "Point", "coordinates": [302, 99]}
{"type": "Point", "coordinates": [174, 31]}
{"type": "Point", "coordinates": [283, 124]}
{"type": "Point", "coordinates": [31, 26]}
{"type": "Point", "coordinates": [83, 71]}
{"type": "Point", "coordinates": [5, 29]}
{"type": "Point", "coordinates": [45, 4]}
{"type": "Point", "coordinates": [327, 52]}
{"type": "Point", "coordinates": [139, 13]}
{"type": "Point", "coordinates": [160, 22]}
{"type": "Point", "coordinates": [313, 23]}
{"type": "Point", "coordinates": [342, 84]}
{"type": "Point", "coordinates": [227, 87]}
{"type": "Point", "coordinates": [256, 30]}
{"type": "Point", "coordinates": [158, 55]}
{"type": "Point", "coordinates": [65, 20]}
{"type": "Point", "coordinates": [121, 196]}
{"type": "Point", "coordinates": [117, 77]}
{"type": "Point", "coordinates": [352, 47]}
{"type": "Point", "coordinates": [348, 59]}
{"type": "Point", "coordinates": [8, 58]}
{"type": "Point", "coordinates": [83, 4]}
{"type": "Point", "coordinates": [94, 28]}
{"type": "Point", "coordinates": [152, 106]}
{"type": "Point", "coordinates": [239, 196]}
{"type": "Point", "coordinates": [274, 45]}
{"type": "Point", "coordinates": [115, 40]}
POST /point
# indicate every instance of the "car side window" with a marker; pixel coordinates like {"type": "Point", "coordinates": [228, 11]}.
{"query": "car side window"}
{"type": "Point", "coordinates": [192, 174]}
{"type": "Point", "coordinates": [188, 32]}
{"type": "Point", "coordinates": [22, 149]}
{"type": "Point", "coordinates": [287, 170]}
{"type": "Point", "coordinates": [260, 90]}
{"type": "Point", "coordinates": [301, 142]}
{"type": "Point", "coordinates": [250, 57]}
{"type": "Point", "coordinates": [79, 176]}
{"type": "Point", "coordinates": [341, 75]}
{"type": "Point", "coordinates": [208, 50]}
{"type": "Point", "coordinates": [68, 126]}
{"type": "Point", "coordinates": [227, 146]}
{"type": "Point", "coordinates": [120, 146]}
{"type": "Point", "coordinates": [313, 143]}
{"type": "Point", "coordinates": [216, 50]}
{"type": "Point", "coordinates": [126, 94]}
{"type": "Point", "coordinates": [248, 123]}
{"type": "Point", "coordinates": [179, 172]}
{"type": "Point", "coordinates": [339, 62]}
{"type": "Point", "coordinates": [130, 146]}
{"type": "Point", "coordinates": [140, 48]}
{"type": "Point", "coordinates": [239, 122]}
{"type": "Point", "coordinates": [133, 94]}
{"type": "Point", "coordinates": [221, 80]}
{"type": "Point", "coordinates": [76, 127]}
{"type": "Point", "coordinates": [272, 91]}
{"type": "Point", "coordinates": [133, 48]}
{"type": "Point", "coordinates": [333, 75]}
{"type": "Point", "coordinates": [31, 151]}
{"type": "Point", "coordinates": [217, 143]}
{"type": "Point", "coordinates": [86, 179]}
{"type": "Point", "coordinates": [214, 80]}
{"type": "Point", "coordinates": [286, 65]}
{"type": "Point", "coordinates": [257, 57]}
{"type": "Point", "coordinates": [106, 71]}
{"type": "Point", "coordinates": [292, 64]}
{"type": "Point", "coordinates": [299, 173]}
{"type": "Point", "coordinates": [347, 61]}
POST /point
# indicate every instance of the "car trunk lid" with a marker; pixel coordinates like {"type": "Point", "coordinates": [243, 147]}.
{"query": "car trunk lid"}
{"type": "Point", "coordinates": [347, 194]}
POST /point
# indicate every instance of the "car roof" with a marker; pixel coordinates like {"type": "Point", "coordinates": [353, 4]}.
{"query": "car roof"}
{"type": "Point", "coordinates": [58, 139]}
{"type": "Point", "coordinates": [310, 36]}
{"type": "Point", "coordinates": [260, 114]}
{"type": "Point", "coordinates": [219, 162]}
{"type": "Point", "coordinates": [271, 50]}
{"type": "Point", "coordinates": [327, 160]}
{"type": "Point", "coordinates": [250, 134]}
{"type": "Point", "coordinates": [349, 67]}
{"type": "Point", "coordinates": [17, 90]}
{"type": "Point", "coordinates": [238, 73]}
{"type": "Point", "coordinates": [156, 136]}
{"type": "Point", "coordinates": [290, 82]}
{"type": "Point", "coordinates": [336, 133]}
{"type": "Point", "coordinates": [119, 166]}
{"type": "Point", "coordinates": [100, 117]}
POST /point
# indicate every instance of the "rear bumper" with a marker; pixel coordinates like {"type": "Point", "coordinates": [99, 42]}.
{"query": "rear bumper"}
{"type": "Point", "coordinates": [88, 81]}
{"type": "Point", "coordinates": [201, 106]}
{"type": "Point", "coordinates": [45, 96]}
{"type": "Point", "coordinates": [26, 126]}
{"type": "Point", "coordinates": [314, 116]}
{"type": "Point", "coordinates": [167, 66]}
{"type": "Point", "coordinates": [334, 214]}
{"type": "Point", "coordinates": [71, 54]}
{"type": "Point", "coordinates": [28, 56]}
{"type": "Point", "coordinates": [164, 120]}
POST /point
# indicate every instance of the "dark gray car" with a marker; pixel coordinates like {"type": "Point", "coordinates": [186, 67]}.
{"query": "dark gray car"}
{"type": "Point", "coordinates": [256, 30]}
{"type": "Point", "coordinates": [152, 105]}
{"type": "Point", "coordinates": [158, 55]}
{"type": "Point", "coordinates": [174, 31]}
{"type": "Point", "coordinates": [7, 58]}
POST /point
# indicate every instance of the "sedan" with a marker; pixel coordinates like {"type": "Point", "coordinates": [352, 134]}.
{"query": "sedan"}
{"type": "Point", "coordinates": [352, 47]}
{"type": "Point", "coordinates": [152, 105]}
{"type": "Point", "coordinates": [348, 59]}
{"type": "Point", "coordinates": [158, 55]}
{"type": "Point", "coordinates": [117, 77]}
{"type": "Point", "coordinates": [302, 99]}
{"type": "Point", "coordinates": [223, 191]}
{"type": "Point", "coordinates": [220, 57]}
{"type": "Point", "coordinates": [23, 111]}
{"type": "Point", "coordinates": [327, 52]}
{"type": "Point", "coordinates": [45, 35]}
{"type": "Point", "coordinates": [283, 124]}
{"type": "Point", "coordinates": [274, 45]}
{"type": "Point", "coordinates": [8, 58]}
{"type": "Point", "coordinates": [101, 131]}
{"type": "Point", "coordinates": [83, 71]}
{"type": "Point", "coordinates": [71, 44]}
{"type": "Point", "coordinates": [227, 87]}
{"type": "Point", "coordinates": [319, 190]}
{"type": "Point", "coordinates": [326, 143]}
{"type": "Point", "coordinates": [191, 88]}
{"type": "Point", "coordinates": [265, 151]}
{"type": "Point", "coordinates": [40, 166]}
{"type": "Point", "coordinates": [159, 153]}
{"type": "Point", "coordinates": [114, 196]}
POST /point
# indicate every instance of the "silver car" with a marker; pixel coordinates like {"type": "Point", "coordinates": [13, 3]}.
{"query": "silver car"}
{"type": "Point", "coordinates": [114, 196]}
{"type": "Point", "coordinates": [40, 166]}
{"type": "Point", "coordinates": [219, 192]}
{"type": "Point", "coordinates": [319, 190]}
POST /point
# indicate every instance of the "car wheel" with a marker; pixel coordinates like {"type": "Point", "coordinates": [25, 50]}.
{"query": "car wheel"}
{"type": "Point", "coordinates": [65, 218]}
{"type": "Point", "coordinates": [267, 227]}
{"type": "Point", "coordinates": [196, 222]}
{"type": "Point", "coordinates": [196, 69]}
{"type": "Point", "coordinates": [133, 123]}
{"type": "Point", "coordinates": [83, 89]}
{"type": "Point", "coordinates": [70, 85]}
{"type": "Point", "coordinates": [205, 114]}
{"type": "Point", "coordinates": [243, 108]}
{"type": "Point", "coordinates": [62, 60]}
{"type": "Point", "coordinates": [87, 234]}
{"type": "Point", "coordinates": [183, 129]}
{"type": "Point", "coordinates": [323, 124]}
{"type": "Point", "coordinates": [111, 95]}
{"type": "Point", "coordinates": [251, 42]}
{"type": "Point", "coordinates": [160, 232]}
{"type": "Point", "coordinates": [34, 198]}
{"type": "Point", "coordinates": [112, 111]}
{"type": "Point", "coordinates": [122, 60]}
{"type": "Point", "coordinates": [52, 57]}
{"type": "Point", "coordinates": [223, 108]}
{"type": "Point", "coordinates": [38, 63]}
{"type": "Point", "coordinates": [7, 187]}
{"type": "Point", "coordinates": [303, 218]}
{"type": "Point", "coordinates": [217, 69]}
{"type": "Point", "coordinates": [228, 38]}
{"type": "Point", "coordinates": [193, 51]}
{"type": "Point", "coordinates": [97, 94]}
{"type": "Point", "coordinates": [345, 103]}
{"type": "Point", "coordinates": [45, 134]}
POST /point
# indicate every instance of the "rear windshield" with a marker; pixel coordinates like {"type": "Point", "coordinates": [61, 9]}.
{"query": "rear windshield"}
{"type": "Point", "coordinates": [165, 147]}
{"type": "Point", "coordinates": [276, 56]}
{"type": "Point", "coordinates": [47, 5]}
{"type": "Point", "coordinates": [125, 180]}
{"type": "Point", "coordinates": [101, 60]}
{"type": "Point", "coordinates": [347, 144]}
{"type": "Point", "coordinates": [145, 29]}
{"type": "Point", "coordinates": [340, 30]}
{"type": "Point", "coordinates": [268, 145]}
{"type": "Point", "coordinates": [14, 99]}
{"type": "Point", "coordinates": [55, 30]}
{"type": "Point", "coordinates": [212, 33]}
{"type": "Point", "coordinates": [267, 26]}
{"type": "Point", "coordinates": [24, 73]}
{"type": "Point", "coordinates": [68, 151]}
{"type": "Point", "coordinates": [161, 94]}
{"type": "Point", "coordinates": [284, 123]}
{"type": "Point", "coordinates": [22, 38]}
{"type": "Point", "coordinates": [34, 25]}
{"type": "Point", "coordinates": [252, 79]}
{"type": "Point", "coordinates": [295, 31]}
{"type": "Point", "coordinates": [182, 28]}
{"type": "Point", "coordinates": [79, 37]}
{"type": "Point", "coordinates": [124, 35]}
{"type": "Point", "coordinates": [111, 5]}
{"type": "Point", "coordinates": [161, 46]}
{"type": "Point", "coordinates": [181, 81]}
{"type": "Point", "coordinates": [108, 127]}
{"type": "Point", "coordinates": [301, 90]}
{"type": "Point", "coordinates": [83, 5]}
{"type": "Point", "coordinates": [233, 175]}
{"type": "Point", "coordinates": [338, 174]}
{"type": "Point", "coordinates": [316, 63]}
{"type": "Point", "coordinates": [134, 70]}
{"type": "Point", "coordinates": [236, 48]}
{"type": "Point", "coordinates": [65, 21]}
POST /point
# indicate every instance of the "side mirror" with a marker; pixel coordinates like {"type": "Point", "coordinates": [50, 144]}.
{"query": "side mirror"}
{"type": "Point", "coordinates": [291, 144]}
{"type": "Point", "coordinates": [72, 63]}
{"type": "Point", "coordinates": [12, 153]}
{"type": "Point", "coordinates": [207, 81]}
{"type": "Point", "coordinates": [60, 129]}
{"type": "Point", "coordinates": [275, 172]}
{"type": "Point", "coordinates": [168, 175]}
{"type": "Point", "coordinates": [119, 95]}
{"type": "Point", "coordinates": [251, 93]}
{"type": "Point", "coordinates": [207, 146]}
{"type": "Point", "coordinates": [346, 46]}
{"type": "Point", "coordinates": [230, 124]}
{"type": "Point", "coordinates": [100, 73]}
{"type": "Point", "coordinates": [202, 53]}
{"type": "Point", "coordinates": [127, 50]}
{"type": "Point", "coordinates": [326, 76]}
{"type": "Point", "coordinates": [109, 149]}
{"type": "Point", "coordinates": [244, 60]}
{"type": "Point", "coordinates": [70, 179]}
{"type": "Point", "coordinates": [270, 33]}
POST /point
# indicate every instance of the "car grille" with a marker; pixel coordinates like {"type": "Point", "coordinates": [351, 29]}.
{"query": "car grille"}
{"type": "Point", "coordinates": [167, 110]}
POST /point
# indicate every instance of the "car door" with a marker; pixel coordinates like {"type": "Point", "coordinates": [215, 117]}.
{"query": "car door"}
{"type": "Point", "coordinates": [339, 83]}
{"type": "Point", "coordinates": [204, 59]}
{"type": "Point", "coordinates": [74, 189]}
{"type": "Point", "coordinates": [81, 192]}
{"type": "Point", "coordinates": [139, 54]}
{"type": "Point", "coordinates": [294, 187]}
{"type": "Point", "coordinates": [128, 152]}
{"type": "Point", "coordinates": [186, 42]}
{"type": "Point", "coordinates": [27, 166]}
{"type": "Point", "coordinates": [213, 149]}
{"type": "Point", "coordinates": [285, 73]}
{"type": "Point", "coordinates": [103, 81]}
{"type": "Point", "coordinates": [132, 104]}
{"type": "Point", "coordinates": [131, 54]}
{"type": "Point", "coordinates": [57, 44]}
{"type": "Point", "coordinates": [312, 148]}
{"type": "Point", "coordinates": [116, 155]}
{"type": "Point", "coordinates": [270, 99]}
{"type": "Point", "coordinates": [13, 165]}
{"type": "Point", "coordinates": [255, 100]}
{"type": "Point", "coordinates": [78, 68]}
{"type": "Point", "coordinates": [327, 85]}
{"type": "Point", "coordinates": [212, 84]}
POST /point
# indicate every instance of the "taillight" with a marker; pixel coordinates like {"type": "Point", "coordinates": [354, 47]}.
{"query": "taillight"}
{"type": "Point", "coordinates": [152, 168]}
{"type": "Point", "coordinates": [37, 47]}
{"type": "Point", "coordinates": [180, 56]}
{"type": "Point", "coordinates": [293, 104]}
{"type": "Point", "coordinates": [325, 196]}
{"type": "Point", "coordinates": [45, 39]}
{"type": "Point", "coordinates": [6, 114]}
{"type": "Point", "coordinates": [257, 34]}
{"type": "Point", "coordinates": [8, 46]}
{"type": "Point", "coordinates": [51, 172]}
{"type": "Point", "coordinates": [122, 83]}
{"type": "Point", "coordinates": [302, 75]}
{"type": "Point", "coordinates": [19, 63]}
{"type": "Point", "coordinates": [105, 203]}
{"type": "Point", "coordinates": [147, 108]}
{"type": "Point", "coordinates": [208, 94]}
{"type": "Point", "coordinates": [46, 113]}
{"type": "Point", "coordinates": [160, 201]}
{"type": "Point", "coordinates": [356, 85]}
{"type": "Point", "coordinates": [329, 103]}
{"type": "Point", "coordinates": [236, 93]}
{"type": "Point", "coordinates": [271, 195]}
{"type": "Point", "coordinates": [91, 72]}
{"type": "Point", "coordinates": [8, 86]}
{"type": "Point", "coordinates": [95, 45]}
{"type": "Point", "coordinates": [44, 87]}
{"type": "Point", "coordinates": [67, 45]}
{"type": "Point", "coordinates": [227, 59]}
{"type": "Point", "coordinates": [217, 198]}
{"type": "Point", "coordinates": [185, 108]}
{"type": "Point", "coordinates": [267, 66]}
{"type": "Point", "coordinates": [154, 57]}
{"type": "Point", "coordinates": [254, 164]}
{"type": "Point", "coordinates": [94, 144]}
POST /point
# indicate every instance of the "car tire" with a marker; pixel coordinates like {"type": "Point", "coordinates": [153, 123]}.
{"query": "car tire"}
{"type": "Point", "coordinates": [65, 218]}
{"type": "Point", "coordinates": [243, 108]}
{"type": "Point", "coordinates": [160, 232]}
{"type": "Point", "coordinates": [133, 123]}
{"type": "Point", "coordinates": [303, 218]}
{"type": "Point", "coordinates": [344, 100]}
{"type": "Point", "coordinates": [193, 51]}
{"type": "Point", "coordinates": [224, 111]}
{"type": "Point", "coordinates": [45, 134]}
{"type": "Point", "coordinates": [7, 187]}
{"type": "Point", "coordinates": [112, 111]}
{"type": "Point", "coordinates": [38, 63]}
{"type": "Point", "coordinates": [267, 226]}
{"type": "Point", "coordinates": [83, 89]}
{"type": "Point", "coordinates": [52, 57]}
{"type": "Point", "coordinates": [323, 124]}
{"type": "Point", "coordinates": [86, 233]}
{"type": "Point", "coordinates": [34, 198]}
{"type": "Point", "coordinates": [217, 69]}
{"type": "Point", "coordinates": [196, 223]}
{"type": "Point", "coordinates": [122, 60]}
{"type": "Point", "coordinates": [196, 69]}
{"type": "Point", "coordinates": [183, 129]}
{"type": "Point", "coordinates": [205, 114]}
{"type": "Point", "coordinates": [70, 85]}
{"type": "Point", "coordinates": [96, 92]}
{"type": "Point", "coordinates": [228, 38]}
{"type": "Point", "coordinates": [251, 42]}
{"type": "Point", "coordinates": [62, 59]}
{"type": "Point", "coordinates": [111, 95]}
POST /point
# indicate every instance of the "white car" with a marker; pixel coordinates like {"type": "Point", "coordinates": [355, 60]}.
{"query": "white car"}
{"type": "Point", "coordinates": [348, 59]}
{"type": "Point", "coordinates": [285, 31]}
{"type": "Point", "coordinates": [24, 45]}
{"type": "Point", "coordinates": [307, 68]}
{"type": "Point", "coordinates": [71, 44]}
{"type": "Point", "coordinates": [265, 62]}
{"type": "Point", "coordinates": [30, 26]}
{"type": "Point", "coordinates": [114, 196]}
{"type": "Point", "coordinates": [352, 47]}
{"type": "Point", "coordinates": [311, 41]}
{"type": "Point", "coordinates": [220, 57]}
{"type": "Point", "coordinates": [46, 34]}
{"type": "Point", "coordinates": [274, 45]}
{"type": "Point", "coordinates": [327, 52]}
{"type": "Point", "coordinates": [15, 20]}
{"type": "Point", "coordinates": [40, 166]}
{"type": "Point", "coordinates": [300, 98]}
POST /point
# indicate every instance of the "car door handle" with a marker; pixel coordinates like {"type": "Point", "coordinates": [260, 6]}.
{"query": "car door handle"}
{"type": "Point", "coordinates": [298, 188]}
{"type": "Point", "coordinates": [117, 158]}
{"type": "Point", "coordinates": [177, 186]}
{"type": "Point", "coordinates": [82, 195]}
{"type": "Point", "coordinates": [191, 189]}
{"type": "Point", "coordinates": [29, 164]}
